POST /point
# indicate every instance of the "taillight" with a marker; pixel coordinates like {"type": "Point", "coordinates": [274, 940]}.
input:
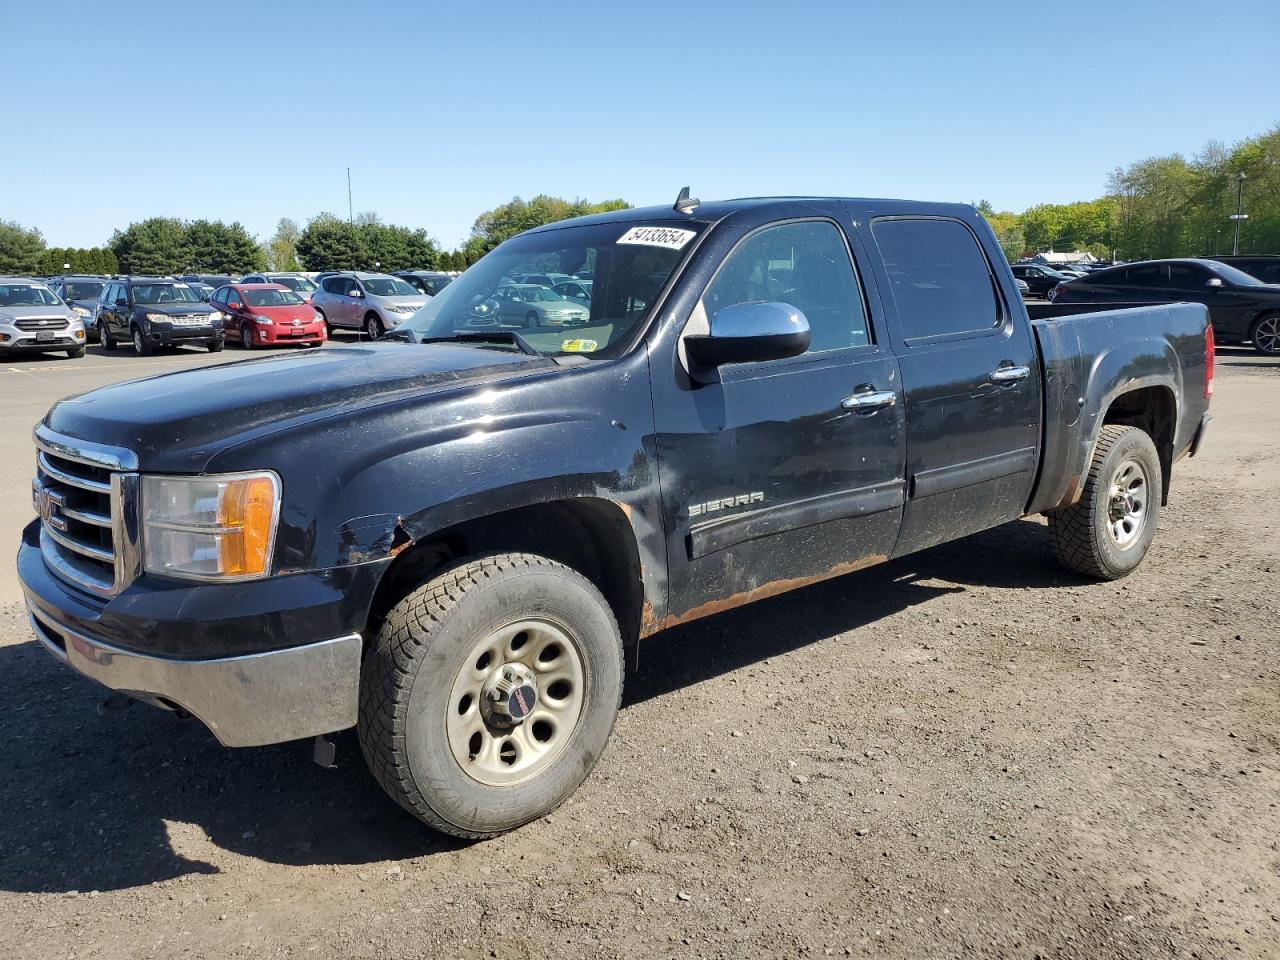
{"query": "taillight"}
{"type": "Point", "coordinates": [1208, 361]}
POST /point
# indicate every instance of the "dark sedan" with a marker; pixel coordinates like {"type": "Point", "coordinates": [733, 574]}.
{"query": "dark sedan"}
{"type": "Point", "coordinates": [1039, 278]}
{"type": "Point", "coordinates": [1241, 308]}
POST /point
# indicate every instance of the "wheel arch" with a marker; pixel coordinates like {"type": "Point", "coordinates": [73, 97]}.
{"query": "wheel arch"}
{"type": "Point", "coordinates": [591, 535]}
{"type": "Point", "coordinates": [1154, 410]}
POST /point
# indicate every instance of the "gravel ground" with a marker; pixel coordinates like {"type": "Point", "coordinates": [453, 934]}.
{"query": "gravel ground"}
{"type": "Point", "coordinates": [965, 753]}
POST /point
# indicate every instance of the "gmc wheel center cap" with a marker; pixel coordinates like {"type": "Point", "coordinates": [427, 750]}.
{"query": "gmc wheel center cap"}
{"type": "Point", "coordinates": [510, 695]}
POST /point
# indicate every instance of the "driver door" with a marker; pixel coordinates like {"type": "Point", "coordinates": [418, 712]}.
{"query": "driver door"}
{"type": "Point", "coordinates": [791, 470]}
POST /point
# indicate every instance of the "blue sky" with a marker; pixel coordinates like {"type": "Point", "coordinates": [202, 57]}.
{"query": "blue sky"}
{"type": "Point", "coordinates": [251, 112]}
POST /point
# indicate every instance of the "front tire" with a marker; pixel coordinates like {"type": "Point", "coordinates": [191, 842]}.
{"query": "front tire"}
{"type": "Point", "coordinates": [455, 662]}
{"type": "Point", "coordinates": [105, 338]}
{"type": "Point", "coordinates": [1266, 335]}
{"type": "Point", "coordinates": [215, 346]}
{"type": "Point", "coordinates": [373, 327]}
{"type": "Point", "coordinates": [140, 345]}
{"type": "Point", "coordinates": [1107, 533]}
{"type": "Point", "coordinates": [75, 354]}
{"type": "Point", "coordinates": [246, 337]}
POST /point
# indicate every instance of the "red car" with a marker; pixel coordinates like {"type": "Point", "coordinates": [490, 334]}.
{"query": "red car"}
{"type": "Point", "coordinates": [267, 314]}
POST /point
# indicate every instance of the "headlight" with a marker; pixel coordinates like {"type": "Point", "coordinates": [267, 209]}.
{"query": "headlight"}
{"type": "Point", "coordinates": [219, 527]}
{"type": "Point", "coordinates": [263, 321]}
{"type": "Point", "coordinates": [80, 311]}
{"type": "Point", "coordinates": [161, 317]}
{"type": "Point", "coordinates": [317, 318]}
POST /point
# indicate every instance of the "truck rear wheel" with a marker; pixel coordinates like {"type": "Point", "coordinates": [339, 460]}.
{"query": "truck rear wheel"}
{"type": "Point", "coordinates": [1107, 533]}
{"type": "Point", "coordinates": [489, 693]}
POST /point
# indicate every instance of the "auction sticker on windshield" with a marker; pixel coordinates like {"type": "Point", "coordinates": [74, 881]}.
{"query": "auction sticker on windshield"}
{"type": "Point", "coordinates": [673, 238]}
{"type": "Point", "coordinates": [579, 346]}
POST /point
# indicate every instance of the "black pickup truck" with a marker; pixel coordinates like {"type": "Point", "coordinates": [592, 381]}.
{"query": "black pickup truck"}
{"type": "Point", "coordinates": [450, 540]}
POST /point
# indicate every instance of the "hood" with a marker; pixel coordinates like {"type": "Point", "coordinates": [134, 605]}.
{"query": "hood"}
{"type": "Point", "coordinates": [417, 302]}
{"type": "Point", "coordinates": [52, 311]}
{"type": "Point", "coordinates": [283, 313]}
{"type": "Point", "coordinates": [177, 421]}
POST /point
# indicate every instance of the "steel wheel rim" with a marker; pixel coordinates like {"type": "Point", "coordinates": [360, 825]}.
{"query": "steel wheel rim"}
{"type": "Point", "coordinates": [495, 755]}
{"type": "Point", "coordinates": [1267, 337]}
{"type": "Point", "coordinates": [1127, 503]}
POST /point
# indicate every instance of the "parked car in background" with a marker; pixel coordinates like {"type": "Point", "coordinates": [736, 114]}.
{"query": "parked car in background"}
{"type": "Point", "coordinates": [534, 305]}
{"type": "Point", "coordinates": [80, 292]}
{"type": "Point", "coordinates": [542, 279]}
{"type": "Point", "coordinates": [372, 302]}
{"type": "Point", "coordinates": [1241, 308]}
{"type": "Point", "coordinates": [155, 312]}
{"type": "Point", "coordinates": [34, 319]}
{"type": "Point", "coordinates": [267, 315]}
{"type": "Point", "coordinates": [1264, 268]}
{"type": "Point", "coordinates": [299, 283]}
{"type": "Point", "coordinates": [429, 282]}
{"type": "Point", "coordinates": [1038, 277]}
{"type": "Point", "coordinates": [214, 280]}
{"type": "Point", "coordinates": [579, 290]}
{"type": "Point", "coordinates": [1022, 288]}
{"type": "Point", "coordinates": [203, 291]}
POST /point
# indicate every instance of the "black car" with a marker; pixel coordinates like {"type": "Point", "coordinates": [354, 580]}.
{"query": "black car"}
{"type": "Point", "coordinates": [157, 312]}
{"type": "Point", "coordinates": [1264, 268]}
{"type": "Point", "coordinates": [1039, 278]}
{"type": "Point", "coordinates": [211, 280]}
{"type": "Point", "coordinates": [429, 282]}
{"type": "Point", "coordinates": [81, 293]}
{"type": "Point", "coordinates": [1242, 308]}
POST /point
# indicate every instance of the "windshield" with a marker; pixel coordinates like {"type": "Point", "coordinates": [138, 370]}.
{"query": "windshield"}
{"type": "Point", "coordinates": [164, 293]}
{"type": "Point", "coordinates": [632, 262]}
{"type": "Point", "coordinates": [1237, 278]}
{"type": "Point", "coordinates": [84, 291]}
{"type": "Point", "coordinates": [26, 295]}
{"type": "Point", "coordinates": [271, 298]}
{"type": "Point", "coordinates": [389, 287]}
{"type": "Point", "coordinates": [300, 284]}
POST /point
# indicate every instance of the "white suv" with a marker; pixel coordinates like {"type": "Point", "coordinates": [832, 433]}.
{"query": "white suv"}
{"type": "Point", "coordinates": [372, 302]}
{"type": "Point", "coordinates": [34, 320]}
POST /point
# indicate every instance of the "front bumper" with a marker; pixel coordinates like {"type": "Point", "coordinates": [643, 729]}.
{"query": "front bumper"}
{"type": "Point", "coordinates": [285, 333]}
{"type": "Point", "coordinates": [245, 701]}
{"type": "Point", "coordinates": [166, 336]}
{"type": "Point", "coordinates": [31, 345]}
{"type": "Point", "coordinates": [258, 662]}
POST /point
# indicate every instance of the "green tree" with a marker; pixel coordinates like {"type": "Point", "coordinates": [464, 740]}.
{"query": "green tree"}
{"type": "Point", "coordinates": [501, 223]}
{"type": "Point", "coordinates": [217, 247]}
{"type": "Point", "coordinates": [282, 249]}
{"type": "Point", "coordinates": [20, 248]}
{"type": "Point", "coordinates": [154, 246]}
{"type": "Point", "coordinates": [329, 243]}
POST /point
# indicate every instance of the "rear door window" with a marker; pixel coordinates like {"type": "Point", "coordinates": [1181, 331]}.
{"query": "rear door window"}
{"type": "Point", "coordinates": [1188, 276]}
{"type": "Point", "coordinates": [1148, 275]}
{"type": "Point", "coordinates": [941, 281]}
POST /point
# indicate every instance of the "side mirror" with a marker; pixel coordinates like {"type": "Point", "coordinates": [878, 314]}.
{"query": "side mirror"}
{"type": "Point", "coordinates": [749, 333]}
{"type": "Point", "coordinates": [235, 304]}
{"type": "Point", "coordinates": [357, 292]}
{"type": "Point", "coordinates": [1214, 282]}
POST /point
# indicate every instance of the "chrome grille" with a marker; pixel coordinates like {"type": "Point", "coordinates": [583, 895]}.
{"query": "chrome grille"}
{"type": "Point", "coordinates": [86, 496]}
{"type": "Point", "coordinates": [46, 324]}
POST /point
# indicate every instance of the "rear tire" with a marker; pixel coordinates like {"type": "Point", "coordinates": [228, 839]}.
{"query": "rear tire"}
{"type": "Point", "coordinates": [1107, 533]}
{"type": "Point", "coordinates": [427, 735]}
{"type": "Point", "coordinates": [1266, 335]}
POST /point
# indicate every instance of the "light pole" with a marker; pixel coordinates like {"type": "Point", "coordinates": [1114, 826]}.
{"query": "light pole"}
{"type": "Point", "coordinates": [1239, 214]}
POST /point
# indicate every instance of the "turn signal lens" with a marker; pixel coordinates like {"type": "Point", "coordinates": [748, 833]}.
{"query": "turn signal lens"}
{"type": "Point", "coordinates": [247, 507]}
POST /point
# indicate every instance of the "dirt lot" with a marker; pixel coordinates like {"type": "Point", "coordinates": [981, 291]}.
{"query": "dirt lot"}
{"type": "Point", "coordinates": [965, 753]}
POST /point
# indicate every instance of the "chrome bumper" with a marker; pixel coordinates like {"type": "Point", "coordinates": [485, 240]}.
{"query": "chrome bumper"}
{"type": "Point", "coordinates": [246, 701]}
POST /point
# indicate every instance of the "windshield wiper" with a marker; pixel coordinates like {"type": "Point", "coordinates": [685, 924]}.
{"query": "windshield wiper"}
{"type": "Point", "coordinates": [488, 336]}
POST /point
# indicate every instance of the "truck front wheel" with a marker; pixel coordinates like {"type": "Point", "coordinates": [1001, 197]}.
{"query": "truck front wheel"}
{"type": "Point", "coordinates": [1107, 533]}
{"type": "Point", "coordinates": [489, 693]}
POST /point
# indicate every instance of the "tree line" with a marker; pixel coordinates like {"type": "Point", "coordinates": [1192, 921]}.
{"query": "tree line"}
{"type": "Point", "coordinates": [1166, 206]}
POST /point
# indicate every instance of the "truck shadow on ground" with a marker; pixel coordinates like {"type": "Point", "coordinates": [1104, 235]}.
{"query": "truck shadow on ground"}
{"type": "Point", "coordinates": [110, 799]}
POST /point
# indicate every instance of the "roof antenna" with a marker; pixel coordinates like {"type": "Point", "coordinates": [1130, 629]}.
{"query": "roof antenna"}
{"type": "Point", "coordinates": [684, 203]}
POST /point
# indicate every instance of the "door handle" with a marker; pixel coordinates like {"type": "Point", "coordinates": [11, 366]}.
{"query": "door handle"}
{"type": "Point", "coordinates": [870, 401]}
{"type": "Point", "coordinates": [1009, 374]}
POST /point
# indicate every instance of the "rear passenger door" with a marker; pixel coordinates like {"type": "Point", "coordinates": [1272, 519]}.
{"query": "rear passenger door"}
{"type": "Point", "coordinates": [971, 374]}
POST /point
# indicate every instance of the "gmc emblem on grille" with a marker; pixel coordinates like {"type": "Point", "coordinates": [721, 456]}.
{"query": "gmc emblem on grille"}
{"type": "Point", "coordinates": [49, 504]}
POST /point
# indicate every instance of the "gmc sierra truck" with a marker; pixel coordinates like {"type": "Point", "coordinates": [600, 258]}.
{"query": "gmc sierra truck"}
{"type": "Point", "coordinates": [449, 539]}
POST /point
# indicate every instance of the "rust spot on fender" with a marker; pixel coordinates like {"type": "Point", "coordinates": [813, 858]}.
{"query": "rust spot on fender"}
{"type": "Point", "coordinates": [771, 589]}
{"type": "Point", "coordinates": [649, 624]}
